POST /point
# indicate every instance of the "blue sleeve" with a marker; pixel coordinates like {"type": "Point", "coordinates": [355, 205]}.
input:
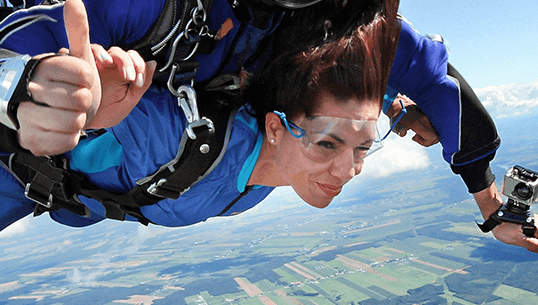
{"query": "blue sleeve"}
{"type": "Point", "coordinates": [41, 29]}
{"type": "Point", "coordinates": [467, 133]}
{"type": "Point", "coordinates": [420, 71]}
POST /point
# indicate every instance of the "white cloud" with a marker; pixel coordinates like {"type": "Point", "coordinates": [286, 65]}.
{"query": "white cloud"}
{"type": "Point", "coordinates": [509, 100]}
{"type": "Point", "coordinates": [143, 233]}
{"type": "Point", "coordinates": [19, 227]}
{"type": "Point", "coordinates": [88, 274]}
{"type": "Point", "coordinates": [397, 155]}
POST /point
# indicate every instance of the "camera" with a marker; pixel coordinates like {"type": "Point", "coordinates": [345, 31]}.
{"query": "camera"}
{"type": "Point", "coordinates": [521, 185]}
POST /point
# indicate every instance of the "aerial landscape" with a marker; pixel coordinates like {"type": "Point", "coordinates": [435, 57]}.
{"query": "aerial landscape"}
{"type": "Point", "coordinates": [409, 238]}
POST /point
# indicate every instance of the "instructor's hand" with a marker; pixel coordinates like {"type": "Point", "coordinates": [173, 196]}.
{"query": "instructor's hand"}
{"type": "Point", "coordinates": [488, 201]}
{"type": "Point", "coordinates": [512, 234]}
{"type": "Point", "coordinates": [414, 119]}
{"type": "Point", "coordinates": [66, 89]}
{"type": "Point", "coordinates": [124, 78]}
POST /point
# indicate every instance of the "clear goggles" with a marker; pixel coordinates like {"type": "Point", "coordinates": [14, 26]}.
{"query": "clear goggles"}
{"type": "Point", "coordinates": [324, 137]}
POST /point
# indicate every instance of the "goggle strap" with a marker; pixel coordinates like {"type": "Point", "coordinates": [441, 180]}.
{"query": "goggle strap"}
{"type": "Point", "coordinates": [402, 113]}
{"type": "Point", "coordinates": [287, 124]}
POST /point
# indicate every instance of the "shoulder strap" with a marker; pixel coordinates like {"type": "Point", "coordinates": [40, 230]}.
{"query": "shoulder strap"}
{"type": "Point", "coordinates": [175, 37]}
{"type": "Point", "coordinates": [172, 19]}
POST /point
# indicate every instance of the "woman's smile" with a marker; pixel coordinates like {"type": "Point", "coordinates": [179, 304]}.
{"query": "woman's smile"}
{"type": "Point", "coordinates": [329, 189]}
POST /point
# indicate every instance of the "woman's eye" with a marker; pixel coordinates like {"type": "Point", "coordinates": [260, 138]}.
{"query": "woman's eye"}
{"type": "Point", "coordinates": [361, 151]}
{"type": "Point", "coordinates": [326, 145]}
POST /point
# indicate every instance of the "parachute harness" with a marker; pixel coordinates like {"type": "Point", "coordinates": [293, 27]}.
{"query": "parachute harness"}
{"type": "Point", "coordinates": [49, 181]}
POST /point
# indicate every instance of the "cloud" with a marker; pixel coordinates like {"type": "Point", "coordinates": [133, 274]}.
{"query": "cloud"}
{"type": "Point", "coordinates": [142, 234]}
{"type": "Point", "coordinates": [88, 274]}
{"type": "Point", "coordinates": [16, 228]}
{"type": "Point", "coordinates": [397, 155]}
{"type": "Point", "coordinates": [509, 100]}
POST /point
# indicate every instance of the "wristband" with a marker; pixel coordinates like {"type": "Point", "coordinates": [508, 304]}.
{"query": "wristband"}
{"type": "Point", "coordinates": [15, 74]}
{"type": "Point", "coordinates": [504, 214]}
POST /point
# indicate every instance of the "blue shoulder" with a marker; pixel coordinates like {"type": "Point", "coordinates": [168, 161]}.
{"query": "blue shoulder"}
{"type": "Point", "coordinates": [41, 28]}
{"type": "Point", "coordinates": [419, 62]}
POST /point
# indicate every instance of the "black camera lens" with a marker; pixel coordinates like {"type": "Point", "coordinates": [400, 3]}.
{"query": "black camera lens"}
{"type": "Point", "coordinates": [522, 191]}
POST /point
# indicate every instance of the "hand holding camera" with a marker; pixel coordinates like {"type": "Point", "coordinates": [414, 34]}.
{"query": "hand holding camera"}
{"type": "Point", "coordinates": [520, 185]}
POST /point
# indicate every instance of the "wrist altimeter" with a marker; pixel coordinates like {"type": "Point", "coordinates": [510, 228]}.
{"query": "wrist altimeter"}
{"type": "Point", "coordinates": [15, 74]}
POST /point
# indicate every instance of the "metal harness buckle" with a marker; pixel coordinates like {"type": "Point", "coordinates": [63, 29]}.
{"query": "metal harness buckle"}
{"type": "Point", "coordinates": [186, 97]}
{"type": "Point", "coordinates": [37, 196]}
{"type": "Point", "coordinates": [196, 27]}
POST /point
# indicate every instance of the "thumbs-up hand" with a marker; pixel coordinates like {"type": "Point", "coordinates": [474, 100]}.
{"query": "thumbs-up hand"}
{"type": "Point", "coordinates": [78, 35]}
{"type": "Point", "coordinates": [123, 75]}
{"type": "Point", "coordinates": [66, 92]}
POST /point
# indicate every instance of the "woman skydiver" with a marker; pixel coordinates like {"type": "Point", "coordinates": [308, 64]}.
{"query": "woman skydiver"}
{"type": "Point", "coordinates": [309, 122]}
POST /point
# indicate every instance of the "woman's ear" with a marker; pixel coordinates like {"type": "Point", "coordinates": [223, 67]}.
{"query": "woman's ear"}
{"type": "Point", "coordinates": [273, 127]}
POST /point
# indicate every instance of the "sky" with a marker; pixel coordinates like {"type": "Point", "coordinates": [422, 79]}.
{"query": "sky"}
{"type": "Point", "coordinates": [492, 42]}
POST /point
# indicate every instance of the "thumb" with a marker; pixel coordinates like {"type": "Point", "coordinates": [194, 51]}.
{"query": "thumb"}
{"type": "Point", "coordinates": [78, 30]}
{"type": "Point", "coordinates": [78, 35]}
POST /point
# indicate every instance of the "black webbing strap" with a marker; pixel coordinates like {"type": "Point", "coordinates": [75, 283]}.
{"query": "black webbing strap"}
{"type": "Point", "coordinates": [191, 165]}
{"type": "Point", "coordinates": [492, 222]}
{"type": "Point", "coordinates": [51, 183]}
{"type": "Point", "coordinates": [10, 140]}
{"type": "Point", "coordinates": [195, 159]}
{"type": "Point", "coordinates": [172, 13]}
{"type": "Point", "coordinates": [159, 43]}
{"type": "Point", "coordinates": [529, 231]}
{"type": "Point", "coordinates": [489, 224]}
{"type": "Point", "coordinates": [247, 190]}
{"type": "Point", "coordinates": [504, 214]}
{"type": "Point", "coordinates": [47, 181]}
{"type": "Point", "coordinates": [21, 92]}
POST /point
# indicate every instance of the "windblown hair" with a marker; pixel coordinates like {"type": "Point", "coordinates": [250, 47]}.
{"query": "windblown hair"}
{"type": "Point", "coordinates": [325, 21]}
{"type": "Point", "coordinates": [355, 65]}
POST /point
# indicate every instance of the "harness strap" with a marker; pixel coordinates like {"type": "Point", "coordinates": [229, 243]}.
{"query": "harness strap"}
{"type": "Point", "coordinates": [175, 38]}
{"type": "Point", "coordinates": [231, 204]}
{"type": "Point", "coordinates": [50, 183]}
{"type": "Point", "coordinates": [195, 157]}
{"type": "Point", "coordinates": [169, 22]}
{"type": "Point", "coordinates": [503, 214]}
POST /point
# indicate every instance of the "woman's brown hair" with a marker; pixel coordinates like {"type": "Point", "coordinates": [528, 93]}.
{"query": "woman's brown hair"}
{"type": "Point", "coordinates": [355, 65]}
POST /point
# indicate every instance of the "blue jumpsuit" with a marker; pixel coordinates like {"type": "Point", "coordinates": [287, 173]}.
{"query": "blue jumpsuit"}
{"type": "Point", "coordinates": [134, 151]}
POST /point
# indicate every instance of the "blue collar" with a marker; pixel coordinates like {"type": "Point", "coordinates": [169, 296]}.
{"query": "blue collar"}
{"type": "Point", "coordinates": [248, 166]}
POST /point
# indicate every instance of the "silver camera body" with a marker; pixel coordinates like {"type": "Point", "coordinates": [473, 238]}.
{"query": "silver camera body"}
{"type": "Point", "coordinates": [521, 185]}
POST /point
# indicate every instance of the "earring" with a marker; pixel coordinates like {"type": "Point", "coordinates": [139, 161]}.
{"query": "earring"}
{"type": "Point", "coordinates": [272, 141]}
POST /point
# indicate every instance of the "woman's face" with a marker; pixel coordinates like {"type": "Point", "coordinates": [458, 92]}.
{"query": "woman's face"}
{"type": "Point", "coordinates": [310, 165]}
